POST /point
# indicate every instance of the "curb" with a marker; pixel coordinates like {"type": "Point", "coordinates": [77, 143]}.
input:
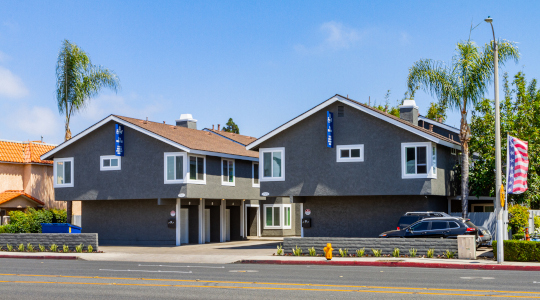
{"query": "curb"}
{"type": "Point", "coordinates": [38, 257]}
{"type": "Point", "coordinates": [396, 264]}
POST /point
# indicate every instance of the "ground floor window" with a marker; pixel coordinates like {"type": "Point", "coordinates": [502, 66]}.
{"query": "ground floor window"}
{"type": "Point", "coordinates": [277, 216]}
{"type": "Point", "coordinates": [488, 207]}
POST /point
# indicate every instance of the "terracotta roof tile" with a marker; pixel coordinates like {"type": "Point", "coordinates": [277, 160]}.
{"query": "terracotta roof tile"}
{"type": "Point", "coordinates": [12, 194]}
{"type": "Point", "coordinates": [242, 139]}
{"type": "Point", "coordinates": [24, 152]}
{"type": "Point", "coordinates": [193, 138]}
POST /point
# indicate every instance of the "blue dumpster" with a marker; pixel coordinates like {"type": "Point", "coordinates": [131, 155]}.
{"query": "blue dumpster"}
{"type": "Point", "coordinates": [59, 228]}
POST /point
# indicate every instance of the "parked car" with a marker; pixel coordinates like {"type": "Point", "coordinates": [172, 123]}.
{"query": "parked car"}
{"type": "Point", "coordinates": [441, 227]}
{"type": "Point", "coordinates": [484, 236]}
{"type": "Point", "coordinates": [411, 217]}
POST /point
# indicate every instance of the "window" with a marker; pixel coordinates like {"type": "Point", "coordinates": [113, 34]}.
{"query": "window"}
{"type": "Point", "coordinates": [421, 226]}
{"type": "Point", "coordinates": [273, 160]}
{"type": "Point", "coordinates": [439, 225]}
{"type": "Point", "coordinates": [63, 172]}
{"type": "Point", "coordinates": [175, 167]}
{"type": "Point", "coordinates": [277, 216]}
{"type": "Point", "coordinates": [483, 207]}
{"type": "Point", "coordinates": [227, 172]}
{"type": "Point", "coordinates": [197, 169]}
{"type": "Point", "coordinates": [418, 160]}
{"type": "Point", "coordinates": [453, 224]}
{"type": "Point", "coordinates": [110, 162]}
{"type": "Point", "coordinates": [349, 153]}
{"type": "Point", "coordinates": [255, 174]}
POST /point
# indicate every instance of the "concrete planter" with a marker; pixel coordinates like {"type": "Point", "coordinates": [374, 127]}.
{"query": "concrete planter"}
{"type": "Point", "coordinates": [47, 239]}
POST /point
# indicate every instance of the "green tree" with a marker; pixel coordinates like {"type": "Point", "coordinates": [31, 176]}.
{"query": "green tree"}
{"type": "Point", "coordinates": [436, 112]}
{"type": "Point", "coordinates": [77, 81]}
{"type": "Point", "coordinates": [460, 86]}
{"type": "Point", "coordinates": [231, 127]}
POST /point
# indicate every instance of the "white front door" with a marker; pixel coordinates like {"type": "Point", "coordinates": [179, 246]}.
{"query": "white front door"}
{"type": "Point", "coordinates": [228, 224]}
{"type": "Point", "coordinates": [184, 226]}
{"type": "Point", "coordinates": [207, 225]}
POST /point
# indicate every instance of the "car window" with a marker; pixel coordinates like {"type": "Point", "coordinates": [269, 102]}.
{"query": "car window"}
{"type": "Point", "coordinates": [439, 225]}
{"type": "Point", "coordinates": [408, 220]}
{"type": "Point", "coordinates": [470, 224]}
{"type": "Point", "coordinates": [420, 226]}
{"type": "Point", "coordinates": [453, 225]}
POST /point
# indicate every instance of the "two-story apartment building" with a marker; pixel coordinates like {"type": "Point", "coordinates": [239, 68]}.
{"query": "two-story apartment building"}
{"type": "Point", "coordinates": [143, 182]}
{"type": "Point", "coordinates": [354, 170]}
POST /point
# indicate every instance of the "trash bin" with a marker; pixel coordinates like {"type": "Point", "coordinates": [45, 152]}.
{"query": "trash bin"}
{"type": "Point", "coordinates": [59, 228]}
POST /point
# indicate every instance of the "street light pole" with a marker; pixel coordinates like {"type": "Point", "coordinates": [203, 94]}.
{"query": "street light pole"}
{"type": "Point", "coordinates": [498, 176]}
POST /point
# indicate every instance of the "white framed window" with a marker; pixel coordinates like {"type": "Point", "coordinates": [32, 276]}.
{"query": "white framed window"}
{"type": "Point", "coordinates": [175, 167]}
{"type": "Point", "coordinates": [273, 164]}
{"type": "Point", "coordinates": [255, 174]}
{"type": "Point", "coordinates": [196, 172]}
{"type": "Point", "coordinates": [227, 172]}
{"type": "Point", "coordinates": [110, 163]}
{"type": "Point", "coordinates": [418, 160]}
{"type": "Point", "coordinates": [349, 153]}
{"type": "Point", "coordinates": [277, 216]}
{"type": "Point", "coordinates": [63, 172]}
{"type": "Point", "coordinates": [484, 207]}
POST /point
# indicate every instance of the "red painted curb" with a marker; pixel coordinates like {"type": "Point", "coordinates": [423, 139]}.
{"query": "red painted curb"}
{"type": "Point", "coordinates": [396, 264]}
{"type": "Point", "coordinates": [38, 257]}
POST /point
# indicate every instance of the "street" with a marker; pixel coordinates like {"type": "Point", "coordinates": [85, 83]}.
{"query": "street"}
{"type": "Point", "coordinates": [53, 279]}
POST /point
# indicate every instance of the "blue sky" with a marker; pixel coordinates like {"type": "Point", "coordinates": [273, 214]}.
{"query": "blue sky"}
{"type": "Point", "coordinates": [259, 62]}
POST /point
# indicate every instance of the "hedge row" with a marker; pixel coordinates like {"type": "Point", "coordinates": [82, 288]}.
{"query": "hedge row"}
{"type": "Point", "coordinates": [515, 250]}
{"type": "Point", "coordinates": [30, 220]}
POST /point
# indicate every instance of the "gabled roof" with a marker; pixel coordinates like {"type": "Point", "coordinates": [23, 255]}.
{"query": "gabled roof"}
{"type": "Point", "coordinates": [189, 140]}
{"type": "Point", "coordinates": [12, 194]}
{"type": "Point", "coordinates": [24, 152]}
{"type": "Point", "coordinates": [442, 125]}
{"type": "Point", "coordinates": [429, 135]}
{"type": "Point", "coordinates": [241, 139]}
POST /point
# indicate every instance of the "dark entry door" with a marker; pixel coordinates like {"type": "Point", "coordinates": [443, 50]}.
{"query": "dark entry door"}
{"type": "Point", "coordinates": [251, 220]}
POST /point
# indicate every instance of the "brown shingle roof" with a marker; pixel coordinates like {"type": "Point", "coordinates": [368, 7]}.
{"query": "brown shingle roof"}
{"type": "Point", "coordinates": [24, 152]}
{"type": "Point", "coordinates": [12, 194]}
{"type": "Point", "coordinates": [192, 138]}
{"type": "Point", "coordinates": [242, 139]}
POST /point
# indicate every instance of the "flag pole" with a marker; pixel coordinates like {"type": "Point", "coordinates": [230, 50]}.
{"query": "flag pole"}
{"type": "Point", "coordinates": [505, 232]}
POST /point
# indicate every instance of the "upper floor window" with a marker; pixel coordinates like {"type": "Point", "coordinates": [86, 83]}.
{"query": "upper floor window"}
{"type": "Point", "coordinates": [197, 169]}
{"type": "Point", "coordinates": [418, 160]}
{"type": "Point", "coordinates": [227, 172]}
{"type": "Point", "coordinates": [350, 153]}
{"type": "Point", "coordinates": [63, 172]}
{"type": "Point", "coordinates": [277, 216]}
{"type": "Point", "coordinates": [110, 162]}
{"type": "Point", "coordinates": [175, 167]}
{"type": "Point", "coordinates": [255, 174]}
{"type": "Point", "coordinates": [273, 164]}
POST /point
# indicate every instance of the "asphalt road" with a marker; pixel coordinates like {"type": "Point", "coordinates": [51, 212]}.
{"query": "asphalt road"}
{"type": "Point", "coordinates": [57, 279]}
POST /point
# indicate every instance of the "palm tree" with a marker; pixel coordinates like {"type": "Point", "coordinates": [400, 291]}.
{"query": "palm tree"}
{"type": "Point", "coordinates": [78, 80]}
{"type": "Point", "coordinates": [460, 86]}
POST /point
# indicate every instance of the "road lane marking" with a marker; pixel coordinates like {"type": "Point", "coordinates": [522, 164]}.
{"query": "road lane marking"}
{"type": "Point", "coordinates": [269, 283]}
{"type": "Point", "coordinates": [181, 266]}
{"type": "Point", "coordinates": [472, 278]}
{"type": "Point", "coordinates": [148, 271]}
{"type": "Point", "coordinates": [265, 288]}
{"type": "Point", "coordinates": [243, 271]}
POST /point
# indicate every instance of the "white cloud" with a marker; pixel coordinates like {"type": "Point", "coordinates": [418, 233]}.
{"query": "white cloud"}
{"type": "Point", "coordinates": [336, 37]}
{"type": "Point", "coordinates": [11, 86]}
{"type": "Point", "coordinates": [32, 123]}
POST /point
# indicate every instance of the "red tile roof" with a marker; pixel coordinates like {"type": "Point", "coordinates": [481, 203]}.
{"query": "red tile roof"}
{"type": "Point", "coordinates": [12, 194]}
{"type": "Point", "coordinates": [242, 139]}
{"type": "Point", "coordinates": [24, 152]}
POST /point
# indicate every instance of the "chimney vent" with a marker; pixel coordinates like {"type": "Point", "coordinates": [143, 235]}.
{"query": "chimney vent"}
{"type": "Point", "coordinates": [186, 120]}
{"type": "Point", "coordinates": [430, 127]}
{"type": "Point", "coordinates": [408, 111]}
{"type": "Point", "coordinates": [212, 126]}
{"type": "Point", "coordinates": [218, 126]}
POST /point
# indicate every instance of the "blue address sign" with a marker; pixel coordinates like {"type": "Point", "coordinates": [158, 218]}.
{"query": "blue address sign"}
{"type": "Point", "coordinates": [329, 129]}
{"type": "Point", "coordinates": [119, 140]}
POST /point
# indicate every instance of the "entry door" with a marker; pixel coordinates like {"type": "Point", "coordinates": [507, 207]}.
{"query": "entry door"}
{"type": "Point", "coordinates": [228, 224]}
{"type": "Point", "coordinates": [207, 225]}
{"type": "Point", "coordinates": [184, 226]}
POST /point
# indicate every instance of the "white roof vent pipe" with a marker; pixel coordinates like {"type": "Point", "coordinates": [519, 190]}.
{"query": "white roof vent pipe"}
{"type": "Point", "coordinates": [186, 120]}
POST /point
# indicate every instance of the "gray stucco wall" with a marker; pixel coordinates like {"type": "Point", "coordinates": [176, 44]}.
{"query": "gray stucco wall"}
{"type": "Point", "coordinates": [71, 240]}
{"type": "Point", "coordinates": [142, 173]}
{"type": "Point", "coordinates": [266, 232]}
{"type": "Point", "coordinates": [128, 222]}
{"type": "Point", "coordinates": [311, 168]}
{"type": "Point", "coordinates": [363, 216]}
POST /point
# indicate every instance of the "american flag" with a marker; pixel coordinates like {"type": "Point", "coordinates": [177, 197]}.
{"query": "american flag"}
{"type": "Point", "coordinates": [518, 165]}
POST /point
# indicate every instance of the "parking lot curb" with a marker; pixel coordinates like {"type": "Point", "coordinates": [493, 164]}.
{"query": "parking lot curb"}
{"type": "Point", "coordinates": [396, 264]}
{"type": "Point", "coordinates": [39, 257]}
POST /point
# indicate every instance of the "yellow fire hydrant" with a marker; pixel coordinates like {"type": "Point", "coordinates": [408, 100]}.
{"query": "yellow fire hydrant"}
{"type": "Point", "coordinates": [328, 251]}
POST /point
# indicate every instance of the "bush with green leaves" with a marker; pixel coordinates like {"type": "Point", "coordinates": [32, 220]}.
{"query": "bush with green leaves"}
{"type": "Point", "coordinates": [376, 252]}
{"type": "Point", "coordinates": [519, 218]}
{"type": "Point", "coordinates": [79, 248]}
{"type": "Point", "coordinates": [360, 252]}
{"type": "Point", "coordinates": [518, 236]}
{"type": "Point", "coordinates": [42, 248]}
{"type": "Point", "coordinates": [395, 253]}
{"type": "Point", "coordinates": [65, 248]}
{"type": "Point", "coordinates": [297, 251]}
{"type": "Point", "coordinates": [91, 249]}
{"type": "Point", "coordinates": [449, 254]}
{"type": "Point", "coordinates": [9, 247]}
{"type": "Point", "coordinates": [519, 250]}
{"type": "Point", "coordinates": [53, 248]}
{"type": "Point", "coordinates": [430, 253]}
{"type": "Point", "coordinates": [343, 252]}
{"type": "Point", "coordinates": [312, 251]}
{"type": "Point", "coordinates": [21, 248]}
{"type": "Point", "coordinates": [30, 220]}
{"type": "Point", "coordinates": [279, 249]}
{"type": "Point", "coordinates": [412, 252]}
{"type": "Point", "coordinates": [537, 224]}
{"type": "Point", "coordinates": [30, 247]}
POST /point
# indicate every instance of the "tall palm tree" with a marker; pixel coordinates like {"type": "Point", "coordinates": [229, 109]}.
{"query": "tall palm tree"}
{"type": "Point", "coordinates": [77, 81]}
{"type": "Point", "coordinates": [461, 85]}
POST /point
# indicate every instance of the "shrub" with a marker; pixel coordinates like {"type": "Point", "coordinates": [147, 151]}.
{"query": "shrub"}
{"type": "Point", "coordinates": [9, 247]}
{"type": "Point", "coordinates": [91, 249]}
{"type": "Point", "coordinates": [376, 252]}
{"type": "Point", "coordinates": [30, 220]}
{"type": "Point", "coordinates": [30, 247]}
{"type": "Point", "coordinates": [395, 253]}
{"type": "Point", "coordinates": [412, 252]}
{"type": "Point", "coordinates": [360, 252]}
{"type": "Point", "coordinates": [518, 236]}
{"type": "Point", "coordinates": [65, 249]}
{"type": "Point", "coordinates": [8, 228]}
{"type": "Point", "coordinates": [537, 224]}
{"type": "Point", "coordinates": [21, 247]}
{"type": "Point", "coordinates": [519, 250]}
{"type": "Point", "coordinates": [79, 248]}
{"type": "Point", "coordinates": [430, 253]}
{"type": "Point", "coordinates": [312, 251]}
{"type": "Point", "coordinates": [519, 218]}
{"type": "Point", "coordinates": [297, 251]}
{"type": "Point", "coordinates": [449, 254]}
{"type": "Point", "coordinates": [42, 248]}
{"type": "Point", "coordinates": [344, 252]}
{"type": "Point", "coordinates": [54, 248]}
{"type": "Point", "coordinates": [279, 249]}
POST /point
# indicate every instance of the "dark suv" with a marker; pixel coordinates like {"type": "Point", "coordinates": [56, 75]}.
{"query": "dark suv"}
{"type": "Point", "coordinates": [442, 227]}
{"type": "Point", "coordinates": [411, 217]}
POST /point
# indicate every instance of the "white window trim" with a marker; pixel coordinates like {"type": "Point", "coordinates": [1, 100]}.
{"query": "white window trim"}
{"type": "Point", "coordinates": [482, 205]}
{"type": "Point", "coordinates": [195, 181]}
{"type": "Point", "coordinates": [429, 161]}
{"type": "Point", "coordinates": [184, 172]}
{"type": "Point", "coordinates": [261, 164]}
{"type": "Point", "coordinates": [234, 172]}
{"type": "Point", "coordinates": [281, 216]}
{"type": "Point", "coordinates": [58, 185]}
{"type": "Point", "coordinates": [349, 147]}
{"type": "Point", "coordinates": [110, 168]}
{"type": "Point", "coordinates": [253, 184]}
